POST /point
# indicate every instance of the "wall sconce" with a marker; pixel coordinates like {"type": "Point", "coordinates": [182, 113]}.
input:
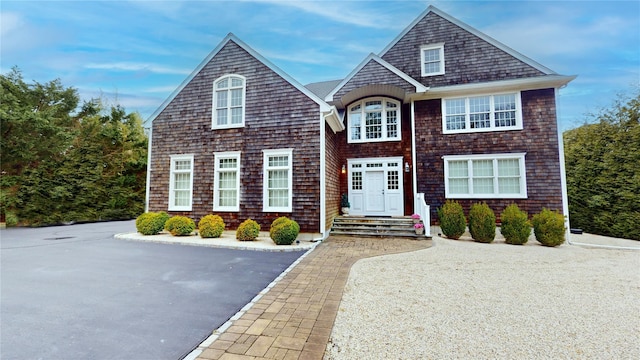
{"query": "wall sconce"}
{"type": "Point", "coordinates": [406, 167]}
{"type": "Point", "coordinates": [344, 169]}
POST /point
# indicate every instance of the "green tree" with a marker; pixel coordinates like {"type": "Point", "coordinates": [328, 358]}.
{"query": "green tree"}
{"type": "Point", "coordinates": [79, 165]}
{"type": "Point", "coordinates": [603, 171]}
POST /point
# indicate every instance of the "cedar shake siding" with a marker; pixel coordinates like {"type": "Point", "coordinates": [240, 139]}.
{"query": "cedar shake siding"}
{"type": "Point", "coordinates": [468, 58]}
{"type": "Point", "coordinates": [333, 175]}
{"type": "Point", "coordinates": [277, 116]}
{"type": "Point", "coordinates": [538, 139]}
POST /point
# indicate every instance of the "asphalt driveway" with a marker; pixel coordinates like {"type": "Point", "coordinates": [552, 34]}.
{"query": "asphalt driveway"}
{"type": "Point", "coordinates": [74, 292]}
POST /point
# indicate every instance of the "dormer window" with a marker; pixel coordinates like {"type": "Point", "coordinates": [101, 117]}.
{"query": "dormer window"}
{"type": "Point", "coordinates": [228, 102]}
{"type": "Point", "coordinates": [373, 120]}
{"type": "Point", "coordinates": [432, 59]}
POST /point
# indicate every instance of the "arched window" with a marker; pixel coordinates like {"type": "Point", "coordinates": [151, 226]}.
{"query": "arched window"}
{"type": "Point", "coordinates": [374, 119]}
{"type": "Point", "coordinates": [228, 102]}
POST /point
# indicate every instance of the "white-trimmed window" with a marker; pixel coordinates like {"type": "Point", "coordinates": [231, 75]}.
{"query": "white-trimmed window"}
{"type": "Point", "coordinates": [181, 183]}
{"type": "Point", "coordinates": [495, 176]}
{"type": "Point", "coordinates": [278, 180]}
{"type": "Point", "coordinates": [228, 102]}
{"type": "Point", "coordinates": [374, 119]}
{"type": "Point", "coordinates": [481, 113]}
{"type": "Point", "coordinates": [226, 185]}
{"type": "Point", "coordinates": [432, 59]}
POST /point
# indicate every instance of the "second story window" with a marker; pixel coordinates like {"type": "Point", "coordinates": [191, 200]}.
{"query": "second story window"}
{"type": "Point", "coordinates": [432, 59]}
{"type": "Point", "coordinates": [481, 113]}
{"type": "Point", "coordinates": [374, 119]}
{"type": "Point", "coordinates": [228, 102]}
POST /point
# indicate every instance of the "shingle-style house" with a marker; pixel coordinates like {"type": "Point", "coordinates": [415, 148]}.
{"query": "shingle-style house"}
{"type": "Point", "coordinates": [443, 112]}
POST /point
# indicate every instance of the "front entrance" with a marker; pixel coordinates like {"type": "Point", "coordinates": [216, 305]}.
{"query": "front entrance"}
{"type": "Point", "coordinates": [375, 186]}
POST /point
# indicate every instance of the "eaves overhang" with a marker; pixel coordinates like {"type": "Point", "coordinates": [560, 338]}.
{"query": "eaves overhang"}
{"type": "Point", "coordinates": [540, 82]}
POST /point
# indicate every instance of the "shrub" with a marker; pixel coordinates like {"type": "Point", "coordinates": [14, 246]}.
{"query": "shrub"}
{"type": "Point", "coordinates": [452, 221]}
{"type": "Point", "coordinates": [482, 223]}
{"type": "Point", "coordinates": [180, 226]}
{"type": "Point", "coordinates": [248, 230]}
{"type": "Point", "coordinates": [10, 219]}
{"type": "Point", "coordinates": [548, 226]}
{"type": "Point", "coordinates": [151, 223]}
{"type": "Point", "coordinates": [515, 225]}
{"type": "Point", "coordinates": [284, 231]}
{"type": "Point", "coordinates": [211, 226]}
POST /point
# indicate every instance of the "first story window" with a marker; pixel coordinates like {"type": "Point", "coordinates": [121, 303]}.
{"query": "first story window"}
{"type": "Point", "coordinates": [374, 119]}
{"type": "Point", "coordinates": [485, 176]}
{"type": "Point", "coordinates": [277, 181]}
{"type": "Point", "coordinates": [181, 182]}
{"type": "Point", "coordinates": [226, 186]}
{"type": "Point", "coordinates": [481, 113]}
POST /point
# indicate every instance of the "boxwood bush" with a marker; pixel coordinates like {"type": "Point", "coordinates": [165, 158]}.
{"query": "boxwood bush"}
{"type": "Point", "coordinates": [548, 227]}
{"type": "Point", "coordinates": [211, 226]}
{"type": "Point", "coordinates": [482, 223]}
{"type": "Point", "coordinates": [248, 230]}
{"type": "Point", "coordinates": [180, 226]}
{"type": "Point", "coordinates": [284, 231]}
{"type": "Point", "coordinates": [452, 221]}
{"type": "Point", "coordinates": [151, 223]}
{"type": "Point", "coordinates": [515, 227]}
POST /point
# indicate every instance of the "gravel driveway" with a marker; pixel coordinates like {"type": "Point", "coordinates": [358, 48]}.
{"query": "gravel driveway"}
{"type": "Point", "coordinates": [461, 299]}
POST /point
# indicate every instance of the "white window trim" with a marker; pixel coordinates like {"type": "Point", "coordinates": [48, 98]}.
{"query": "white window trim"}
{"type": "Point", "coordinates": [492, 127]}
{"type": "Point", "coordinates": [494, 157]}
{"type": "Point", "coordinates": [214, 119]}
{"type": "Point", "coordinates": [363, 125]}
{"type": "Point", "coordinates": [439, 46]}
{"type": "Point", "coordinates": [216, 180]}
{"type": "Point", "coordinates": [173, 171]}
{"type": "Point", "coordinates": [265, 179]}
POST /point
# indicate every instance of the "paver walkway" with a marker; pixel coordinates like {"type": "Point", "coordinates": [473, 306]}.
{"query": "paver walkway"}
{"type": "Point", "coordinates": [295, 318]}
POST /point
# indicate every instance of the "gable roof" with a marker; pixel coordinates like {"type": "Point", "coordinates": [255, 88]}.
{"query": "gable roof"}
{"type": "Point", "coordinates": [323, 88]}
{"type": "Point", "coordinates": [324, 107]}
{"type": "Point", "coordinates": [373, 57]}
{"type": "Point", "coordinates": [481, 35]}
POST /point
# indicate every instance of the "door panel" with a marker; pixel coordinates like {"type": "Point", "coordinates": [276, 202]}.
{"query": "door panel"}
{"type": "Point", "coordinates": [374, 185]}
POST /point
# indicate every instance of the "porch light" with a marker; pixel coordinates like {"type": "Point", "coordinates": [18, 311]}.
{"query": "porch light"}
{"type": "Point", "coordinates": [406, 166]}
{"type": "Point", "coordinates": [344, 169]}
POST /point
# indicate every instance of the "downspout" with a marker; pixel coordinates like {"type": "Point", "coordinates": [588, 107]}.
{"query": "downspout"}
{"type": "Point", "coordinates": [148, 185]}
{"type": "Point", "coordinates": [563, 174]}
{"type": "Point", "coordinates": [413, 155]}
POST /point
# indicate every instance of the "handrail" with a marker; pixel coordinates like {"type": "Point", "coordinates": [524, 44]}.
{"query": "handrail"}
{"type": "Point", "coordinates": [421, 208]}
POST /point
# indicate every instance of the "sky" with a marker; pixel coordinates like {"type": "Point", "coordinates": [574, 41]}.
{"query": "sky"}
{"type": "Point", "coordinates": [136, 53]}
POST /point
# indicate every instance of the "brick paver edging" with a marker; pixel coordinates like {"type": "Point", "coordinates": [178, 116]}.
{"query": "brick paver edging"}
{"type": "Point", "coordinates": [293, 317]}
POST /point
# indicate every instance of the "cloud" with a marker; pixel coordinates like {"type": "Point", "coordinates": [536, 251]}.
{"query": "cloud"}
{"type": "Point", "coordinates": [131, 66]}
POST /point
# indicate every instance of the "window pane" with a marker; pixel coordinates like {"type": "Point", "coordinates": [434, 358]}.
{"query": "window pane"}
{"type": "Point", "coordinates": [227, 198]}
{"type": "Point", "coordinates": [236, 97]}
{"type": "Point", "coordinates": [183, 165]}
{"type": "Point", "coordinates": [458, 169]}
{"type": "Point", "coordinates": [392, 124]}
{"type": "Point", "coordinates": [223, 84]}
{"type": "Point", "coordinates": [374, 125]}
{"type": "Point", "coordinates": [459, 186]}
{"type": "Point", "coordinates": [228, 163]}
{"type": "Point", "coordinates": [393, 180]}
{"type": "Point", "coordinates": [483, 185]}
{"type": "Point", "coordinates": [235, 82]}
{"type": "Point", "coordinates": [181, 198]}
{"type": "Point", "coordinates": [355, 119]}
{"type": "Point", "coordinates": [431, 55]}
{"type": "Point", "coordinates": [455, 109]}
{"type": "Point", "coordinates": [508, 167]}
{"type": "Point", "coordinates": [227, 180]}
{"type": "Point", "coordinates": [221, 116]}
{"type": "Point", "coordinates": [278, 198]}
{"type": "Point", "coordinates": [221, 99]}
{"type": "Point", "coordinates": [236, 116]}
{"type": "Point", "coordinates": [509, 185]}
{"type": "Point", "coordinates": [482, 168]}
{"type": "Point", "coordinates": [373, 105]}
{"type": "Point", "coordinates": [480, 112]}
{"type": "Point", "coordinates": [278, 161]}
{"type": "Point", "coordinates": [182, 181]}
{"type": "Point", "coordinates": [356, 180]}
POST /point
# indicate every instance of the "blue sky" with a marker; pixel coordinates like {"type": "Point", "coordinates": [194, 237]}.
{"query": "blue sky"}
{"type": "Point", "coordinates": [135, 53]}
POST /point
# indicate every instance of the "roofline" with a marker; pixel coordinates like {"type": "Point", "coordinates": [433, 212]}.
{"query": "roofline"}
{"type": "Point", "coordinates": [527, 60]}
{"type": "Point", "coordinates": [419, 86]}
{"type": "Point", "coordinates": [231, 37]}
{"type": "Point", "coordinates": [540, 82]}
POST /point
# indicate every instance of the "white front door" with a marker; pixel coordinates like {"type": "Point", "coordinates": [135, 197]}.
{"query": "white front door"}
{"type": "Point", "coordinates": [376, 186]}
{"type": "Point", "coordinates": [374, 190]}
